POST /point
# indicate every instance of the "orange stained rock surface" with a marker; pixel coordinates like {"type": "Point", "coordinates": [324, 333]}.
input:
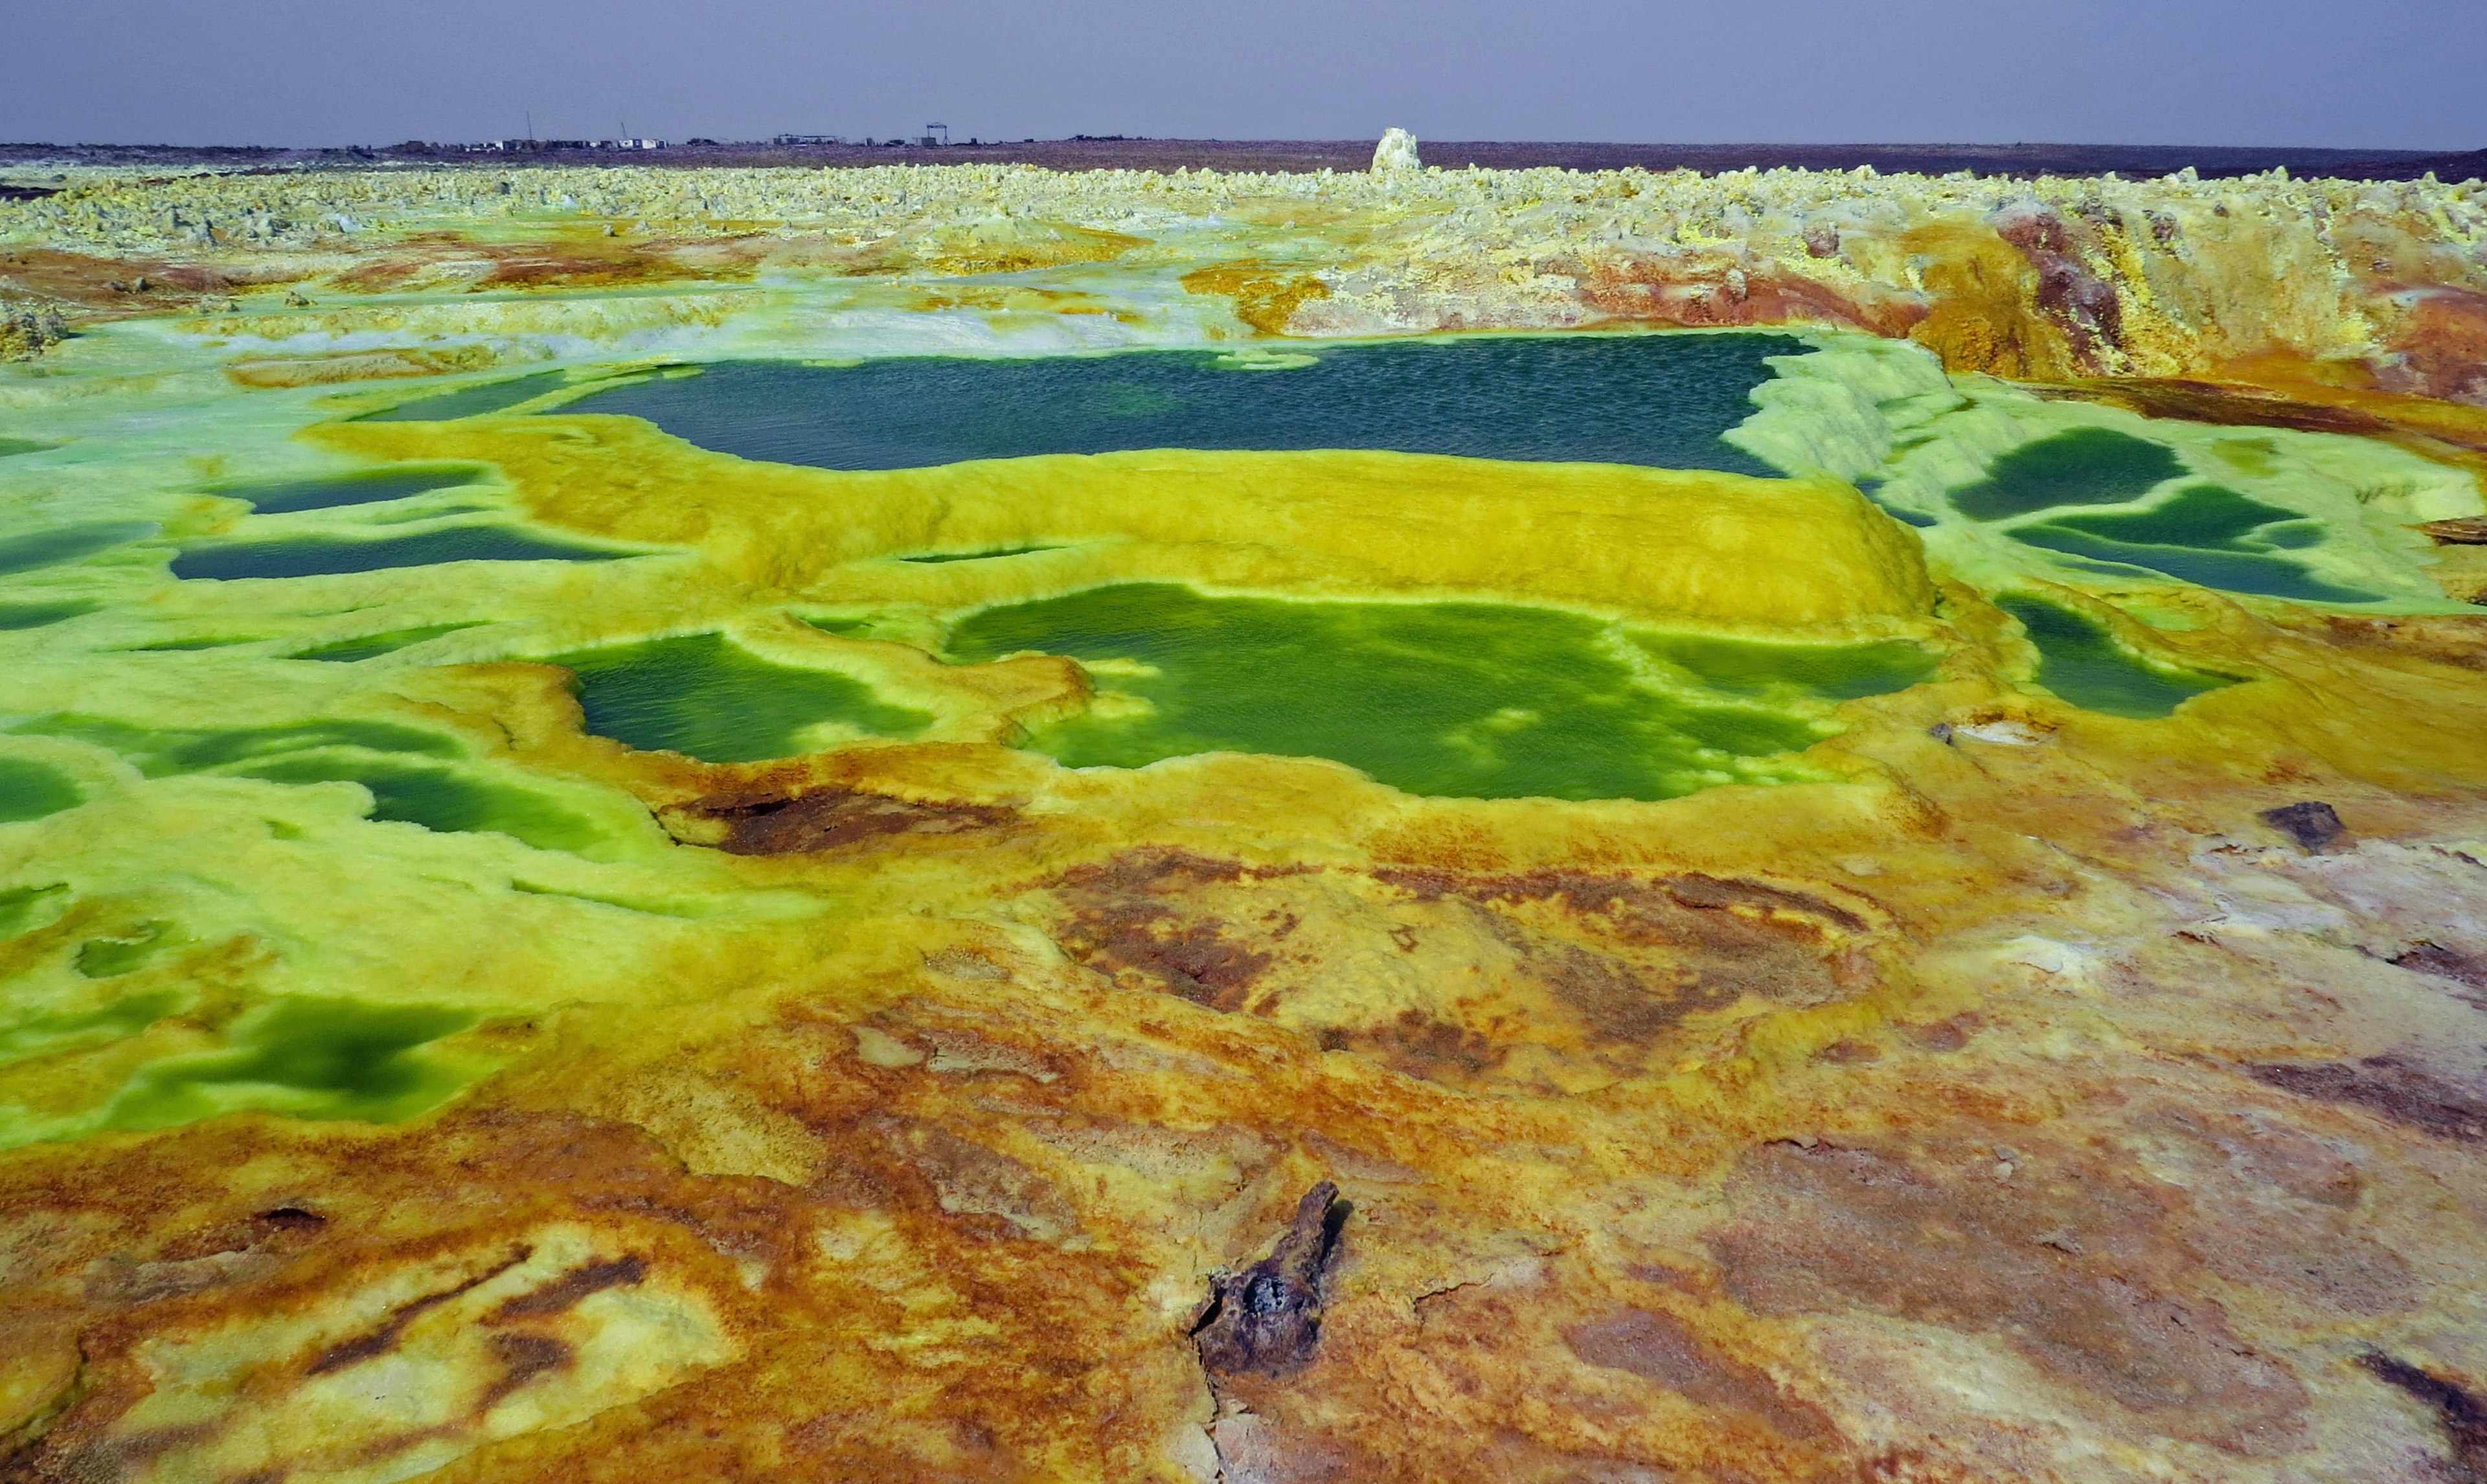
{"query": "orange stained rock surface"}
{"type": "Point", "coordinates": [1715, 1137]}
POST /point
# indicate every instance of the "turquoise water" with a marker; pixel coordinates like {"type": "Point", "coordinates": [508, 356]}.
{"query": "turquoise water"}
{"type": "Point", "coordinates": [705, 696]}
{"type": "Point", "coordinates": [369, 488]}
{"type": "Point", "coordinates": [310, 1057]}
{"type": "Point", "coordinates": [2085, 466]}
{"type": "Point", "coordinates": [1653, 398]}
{"type": "Point", "coordinates": [2081, 662]}
{"type": "Point", "coordinates": [1459, 699]}
{"type": "Point", "coordinates": [63, 544]}
{"type": "Point", "coordinates": [469, 401]}
{"type": "Point", "coordinates": [322, 558]}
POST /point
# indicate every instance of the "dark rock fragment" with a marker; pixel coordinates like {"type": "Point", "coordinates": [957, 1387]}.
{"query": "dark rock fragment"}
{"type": "Point", "coordinates": [1267, 1319]}
{"type": "Point", "coordinates": [2313, 825]}
{"type": "Point", "coordinates": [2460, 531]}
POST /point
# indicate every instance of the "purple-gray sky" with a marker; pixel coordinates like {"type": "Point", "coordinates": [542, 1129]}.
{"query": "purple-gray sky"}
{"type": "Point", "coordinates": [2356, 74]}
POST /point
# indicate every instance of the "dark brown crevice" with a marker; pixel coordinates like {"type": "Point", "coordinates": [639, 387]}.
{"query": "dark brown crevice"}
{"type": "Point", "coordinates": [2468, 969]}
{"type": "Point", "coordinates": [2386, 1087]}
{"type": "Point", "coordinates": [523, 1358]}
{"type": "Point", "coordinates": [565, 1291]}
{"type": "Point", "coordinates": [1266, 1320]}
{"type": "Point", "coordinates": [381, 1341]}
{"type": "Point", "coordinates": [2463, 1412]}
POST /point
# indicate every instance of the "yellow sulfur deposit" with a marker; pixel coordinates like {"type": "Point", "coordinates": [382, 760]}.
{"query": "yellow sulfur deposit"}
{"type": "Point", "coordinates": [974, 824]}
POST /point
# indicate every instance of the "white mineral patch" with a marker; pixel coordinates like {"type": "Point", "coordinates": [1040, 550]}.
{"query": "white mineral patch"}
{"type": "Point", "coordinates": [1397, 152]}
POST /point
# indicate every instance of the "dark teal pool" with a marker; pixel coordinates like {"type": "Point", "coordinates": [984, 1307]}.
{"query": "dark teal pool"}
{"type": "Point", "coordinates": [368, 487]}
{"type": "Point", "coordinates": [2204, 533]}
{"type": "Point", "coordinates": [469, 401]}
{"type": "Point", "coordinates": [2084, 466]}
{"type": "Point", "coordinates": [63, 544]}
{"type": "Point", "coordinates": [1655, 398]}
{"type": "Point", "coordinates": [320, 557]}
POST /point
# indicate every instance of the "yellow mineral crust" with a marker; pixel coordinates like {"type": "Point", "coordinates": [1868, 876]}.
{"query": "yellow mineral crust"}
{"type": "Point", "coordinates": [2070, 1071]}
{"type": "Point", "coordinates": [1646, 543]}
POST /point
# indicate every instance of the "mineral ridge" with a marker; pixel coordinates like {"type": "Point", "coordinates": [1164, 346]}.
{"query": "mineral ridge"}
{"type": "Point", "coordinates": [814, 826]}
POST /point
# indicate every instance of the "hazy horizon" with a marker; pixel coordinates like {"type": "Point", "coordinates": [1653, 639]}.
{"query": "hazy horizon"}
{"type": "Point", "coordinates": [2208, 73]}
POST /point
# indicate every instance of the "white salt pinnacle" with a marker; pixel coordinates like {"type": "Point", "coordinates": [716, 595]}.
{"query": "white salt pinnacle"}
{"type": "Point", "coordinates": [1397, 152]}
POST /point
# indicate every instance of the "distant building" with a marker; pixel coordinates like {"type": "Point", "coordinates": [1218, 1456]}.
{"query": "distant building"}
{"type": "Point", "coordinates": [809, 139]}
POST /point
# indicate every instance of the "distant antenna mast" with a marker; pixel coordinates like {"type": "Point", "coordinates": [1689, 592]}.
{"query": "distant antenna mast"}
{"type": "Point", "coordinates": [531, 124]}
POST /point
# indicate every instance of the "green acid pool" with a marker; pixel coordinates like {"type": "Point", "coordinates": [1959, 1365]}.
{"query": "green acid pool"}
{"type": "Point", "coordinates": [1461, 700]}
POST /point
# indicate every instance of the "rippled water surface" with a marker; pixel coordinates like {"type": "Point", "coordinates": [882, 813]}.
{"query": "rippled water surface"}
{"type": "Point", "coordinates": [1653, 398]}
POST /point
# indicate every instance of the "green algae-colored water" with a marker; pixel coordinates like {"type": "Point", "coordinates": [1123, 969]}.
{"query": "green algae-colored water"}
{"type": "Point", "coordinates": [347, 651]}
{"type": "Point", "coordinates": [1736, 667]}
{"type": "Point", "coordinates": [161, 752]}
{"type": "Point", "coordinates": [369, 488]}
{"type": "Point", "coordinates": [311, 1058]}
{"type": "Point", "coordinates": [33, 790]}
{"type": "Point", "coordinates": [438, 798]}
{"type": "Point", "coordinates": [21, 906]}
{"type": "Point", "coordinates": [1653, 398]}
{"type": "Point", "coordinates": [126, 953]}
{"type": "Point", "coordinates": [2081, 662]}
{"type": "Point", "coordinates": [46, 1033]}
{"type": "Point", "coordinates": [706, 697]}
{"type": "Point", "coordinates": [1459, 699]}
{"type": "Point", "coordinates": [320, 557]}
{"type": "Point", "coordinates": [34, 616]}
{"type": "Point", "coordinates": [410, 773]}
